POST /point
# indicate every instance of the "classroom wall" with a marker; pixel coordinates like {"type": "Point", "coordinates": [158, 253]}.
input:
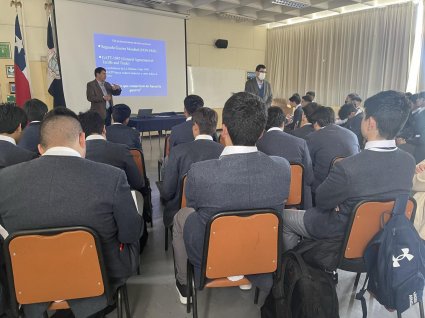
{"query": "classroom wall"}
{"type": "Point", "coordinates": [34, 28]}
{"type": "Point", "coordinates": [247, 44]}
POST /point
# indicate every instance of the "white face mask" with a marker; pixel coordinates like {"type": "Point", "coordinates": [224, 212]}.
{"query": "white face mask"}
{"type": "Point", "coordinates": [261, 76]}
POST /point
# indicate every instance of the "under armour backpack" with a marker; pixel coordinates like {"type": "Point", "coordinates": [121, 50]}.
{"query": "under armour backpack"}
{"type": "Point", "coordinates": [395, 263]}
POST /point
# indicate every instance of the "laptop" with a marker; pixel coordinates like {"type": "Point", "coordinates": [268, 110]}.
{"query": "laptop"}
{"type": "Point", "coordinates": [144, 113]}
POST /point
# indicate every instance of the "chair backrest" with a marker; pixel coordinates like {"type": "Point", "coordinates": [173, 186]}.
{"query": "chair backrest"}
{"type": "Point", "coordinates": [366, 223]}
{"type": "Point", "coordinates": [139, 160]}
{"type": "Point", "coordinates": [183, 194]}
{"type": "Point", "coordinates": [242, 243]}
{"type": "Point", "coordinates": [54, 264]}
{"type": "Point", "coordinates": [296, 187]}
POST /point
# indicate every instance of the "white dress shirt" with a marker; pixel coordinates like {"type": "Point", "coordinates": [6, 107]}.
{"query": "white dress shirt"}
{"type": "Point", "coordinates": [381, 145]}
{"type": "Point", "coordinates": [8, 139]}
{"type": "Point", "coordinates": [62, 151]}
{"type": "Point", "coordinates": [95, 137]}
{"type": "Point", "coordinates": [275, 128]}
{"type": "Point", "coordinates": [232, 150]}
{"type": "Point", "coordinates": [204, 137]}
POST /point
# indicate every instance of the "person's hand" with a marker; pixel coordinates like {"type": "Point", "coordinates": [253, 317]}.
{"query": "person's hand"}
{"type": "Point", "coordinates": [400, 141]}
{"type": "Point", "coordinates": [115, 87]}
{"type": "Point", "coordinates": [107, 97]}
{"type": "Point", "coordinates": [420, 168]}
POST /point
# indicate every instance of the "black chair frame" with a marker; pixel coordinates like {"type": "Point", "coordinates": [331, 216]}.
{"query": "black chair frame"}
{"type": "Point", "coordinates": [122, 294]}
{"type": "Point", "coordinates": [192, 289]}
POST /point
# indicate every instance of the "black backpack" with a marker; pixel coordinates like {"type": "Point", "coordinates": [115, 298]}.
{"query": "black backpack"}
{"type": "Point", "coordinates": [395, 263]}
{"type": "Point", "coordinates": [302, 291]}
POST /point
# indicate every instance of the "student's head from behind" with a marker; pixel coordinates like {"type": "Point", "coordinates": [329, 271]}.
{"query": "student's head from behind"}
{"type": "Point", "coordinates": [312, 94]}
{"type": "Point", "coordinates": [192, 103]}
{"type": "Point", "coordinates": [308, 110]}
{"type": "Point", "coordinates": [35, 109]}
{"type": "Point", "coordinates": [100, 74]}
{"type": "Point", "coordinates": [322, 117]}
{"type": "Point", "coordinates": [12, 121]}
{"type": "Point", "coordinates": [204, 121]}
{"type": "Point", "coordinates": [92, 123]}
{"type": "Point", "coordinates": [305, 100]}
{"type": "Point", "coordinates": [385, 115]}
{"type": "Point", "coordinates": [353, 98]}
{"type": "Point", "coordinates": [61, 128]}
{"type": "Point", "coordinates": [244, 119]}
{"type": "Point", "coordinates": [294, 100]}
{"type": "Point", "coordinates": [275, 117]}
{"type": "Point", "coordinates": [347, 111]}
{"type": "Point", "coordinates": [121, 114]}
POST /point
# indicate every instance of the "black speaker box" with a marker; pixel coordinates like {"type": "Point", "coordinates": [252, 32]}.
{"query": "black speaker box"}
{"type": "Point", "coordinates": [221, 44]}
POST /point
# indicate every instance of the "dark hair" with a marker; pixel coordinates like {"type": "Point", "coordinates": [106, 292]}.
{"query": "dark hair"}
{"type": "Point", "coordinates": [206, 118]}
{"type": "Point", "coordinates": [50, 119]}
{"type": "Point", "coordinates": [295, 98]}
{"type": "Point", "coordinates": [323, 116]}
{"type": "Point", "coordinates": [421, 95]}
{"type": "Point", "coordinates": [11, 117]}
{"type": "Point", "coordinates": [390, 110]}
{"type": "Point", "coordinates": [245, 117]}
{"type": "Point", "coordinates": [35, 109]}
{"type": "Point", "coordinates": [354, 97]}
{"type": "Point", "coordinates": [311, 93]}
{"type": "Point", "coordinates": [98, 70]}
{"type": "Point", "coordinates": [259, 67]}
{"type": "Point", "coordinates": [346, 110]}
{"type": "Point", "coordinates": [309, 109]}
{"type": "Point", "coordinates": [120, 112]}
{"type": "Point", "coordinates": [307, 98]}
{"type": "Point", "coordinates": [91, 122]}
{"type": "Point", "coordinates": [192, 103]}
{"type": "Point", "coordinates": [275, 117]}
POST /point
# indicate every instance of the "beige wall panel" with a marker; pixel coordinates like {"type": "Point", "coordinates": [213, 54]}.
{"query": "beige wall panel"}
{"type": "Point", "coordinates": [248, 59]}
{"type": "Point", "coordinates": [193, 54]}
{"type": "Point", "coordinates": [218, 58]}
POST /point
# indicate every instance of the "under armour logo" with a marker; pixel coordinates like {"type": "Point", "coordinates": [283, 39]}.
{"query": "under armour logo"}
{"type": "Point", "coordinates": [405, 254]}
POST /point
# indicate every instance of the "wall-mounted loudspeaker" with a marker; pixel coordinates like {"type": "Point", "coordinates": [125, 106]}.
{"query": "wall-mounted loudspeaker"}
{"type": "Point", "coordinates": [221, 44]}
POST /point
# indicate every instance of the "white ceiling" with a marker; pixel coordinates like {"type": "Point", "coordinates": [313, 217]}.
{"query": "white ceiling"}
{"type": "Point", "coordinates": [259, 12]}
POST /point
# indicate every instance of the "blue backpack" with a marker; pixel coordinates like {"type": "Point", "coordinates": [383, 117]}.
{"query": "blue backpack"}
{"type": "Point", "coordinates": [395, 263]}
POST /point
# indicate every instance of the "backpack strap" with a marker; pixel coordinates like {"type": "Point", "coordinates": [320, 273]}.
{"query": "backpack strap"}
{"type": "Point", "coordinates": [400, 204]}
{"type": "Point", "coordinates": [360, 296]}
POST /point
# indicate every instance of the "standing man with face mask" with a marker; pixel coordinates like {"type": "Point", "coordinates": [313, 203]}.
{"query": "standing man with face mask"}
{"type": "Point", "coordinates": [259, 86]}
{"type": "Point", "coordinates": [99, 94]}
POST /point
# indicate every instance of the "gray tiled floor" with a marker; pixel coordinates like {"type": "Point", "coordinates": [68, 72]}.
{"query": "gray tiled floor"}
{"type": "Point", "coordinates": [153, 294]}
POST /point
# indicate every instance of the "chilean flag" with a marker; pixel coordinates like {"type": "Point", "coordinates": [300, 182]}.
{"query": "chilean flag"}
{"type": "Point", "coordinates": [22, 85]}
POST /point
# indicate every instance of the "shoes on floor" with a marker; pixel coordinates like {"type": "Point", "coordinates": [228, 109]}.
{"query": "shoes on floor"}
{"type": "Point", "coordinates": [182, 291]}
{"type": "Point", "coordinates": [245, 287]}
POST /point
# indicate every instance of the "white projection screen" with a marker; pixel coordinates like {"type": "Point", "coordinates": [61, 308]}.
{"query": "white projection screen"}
{"type": "Point", "coordinates": [143, 52]}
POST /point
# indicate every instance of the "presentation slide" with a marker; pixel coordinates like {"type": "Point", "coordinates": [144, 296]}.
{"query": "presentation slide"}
{"type": "Point", "coordinates": [138, 65]}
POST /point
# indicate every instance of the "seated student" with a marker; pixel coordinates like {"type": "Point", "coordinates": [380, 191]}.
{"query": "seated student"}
{"type": "Point", "coordinates": [306, 100]}
{"type": "Point", "coordinates": [355, 99]}
{"type": "Point", "coordinates": [62, 189]}
{"type": "Point", "coordinates": [306, 123]}
{"type": "Point", "coordinates": [354, 123]}
{"type": "Point", "coordinates": [242, 178]}
{"type": "Point", "coordinates": [345, 112]}
{"type": "Point", "coordinates": [119, 132]}
{"type": "Point", "coordinates": [101, 150]}
{"type": "Point", "coordinates": [184, 155]}
{"type": "Point", "coordinates": [380, 172]}
{"type": "Point", "coordinates": [327, 142]}
{"type": "Point", "coordinates": [275, 142]}
{"type": "Point", "coordinates": [35, 110]}
{"type": "Point", "coordinates": [295, 102]}
{"type": "Point", "coordinates": [312, 94]}
{"type": "Point", "coordinates": [12, 121]}
{"type": "Point", "coordinates": [182, 133]}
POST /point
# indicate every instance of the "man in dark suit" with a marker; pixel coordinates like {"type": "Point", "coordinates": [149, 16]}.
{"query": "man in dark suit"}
{"type": "Point", "coordinates": [295, 102]}
{"type": "Point", "coordinates": [12, 121]}
{"type": "Point", "coordinates": [328, 142]}
{"type": "Point", "coordinates": [275, 142]}
{"type": "Point", "coordinates": [306, 122]}
{"type": "Point", "coordinates": [259, 86]}
{"type": "Point", "coordinates": [100, 150]}
{"type": "Point", "coordinates": [242, 178]}
{"type": "Point", "coordinates": [182, 133]}
{"type": "Point", "coordinates": [35, 110]}
{"type": "Point", "coordinates": [99, 94]}
{"type": "Point", "coordinates": [380, 172]}
{"type": "Point", "coordinates": [184, 155]}
{"type": "Point", "coordinates": [119, 132]}
{"type": "Point", "coordinates": [61, 189]}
